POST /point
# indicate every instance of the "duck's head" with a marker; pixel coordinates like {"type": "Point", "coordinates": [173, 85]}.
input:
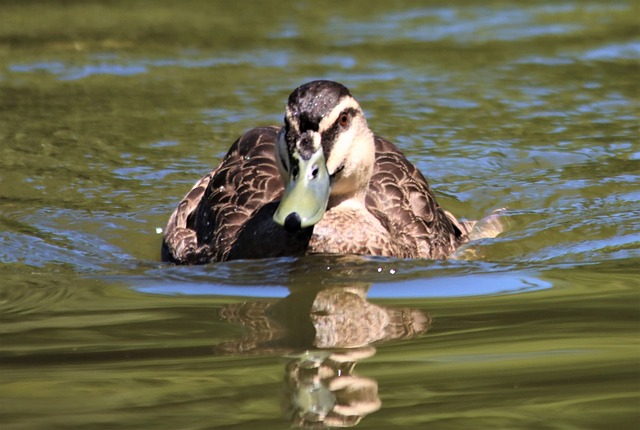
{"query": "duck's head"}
{"type": "Point", "coordinates": [325, 153]}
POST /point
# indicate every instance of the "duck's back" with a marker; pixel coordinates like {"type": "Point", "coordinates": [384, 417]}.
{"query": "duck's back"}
{"type": "Point", "coordinates": [229, 213]}
{"type": "Point", "coordinates": [400, 197]}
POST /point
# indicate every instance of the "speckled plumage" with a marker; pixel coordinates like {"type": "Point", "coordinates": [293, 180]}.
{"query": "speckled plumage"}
{"type": "Point", "coordinates": [228, 213]}
{"type": "Point", "coordinates": [378, 202]}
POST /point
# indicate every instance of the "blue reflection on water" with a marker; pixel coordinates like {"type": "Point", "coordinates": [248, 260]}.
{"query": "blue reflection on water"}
{"type": "Point", "coordinates": [437, 287]}
{"type": "Point", "coordinates": [67, 73]}
{"type": "Point", "coordinates": [108, 65]}
{"type": "Point", "coordinates": [629, 50]}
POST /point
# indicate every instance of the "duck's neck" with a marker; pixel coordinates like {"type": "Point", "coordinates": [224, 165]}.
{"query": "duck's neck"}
{"type": "Point", "coordinates": [352, 183]}
{"type": "Point", "coordinates": [344, 200]}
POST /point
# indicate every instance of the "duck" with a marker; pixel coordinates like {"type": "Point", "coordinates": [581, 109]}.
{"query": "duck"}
{"type": "Point", "coordinates": [321, 183]}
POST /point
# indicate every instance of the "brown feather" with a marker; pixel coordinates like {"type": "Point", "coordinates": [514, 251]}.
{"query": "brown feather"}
{"type": "Point", "coordinates": [228, 213]}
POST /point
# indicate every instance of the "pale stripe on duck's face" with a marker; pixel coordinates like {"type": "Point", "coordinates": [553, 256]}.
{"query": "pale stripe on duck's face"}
{"type": "Point", "coordinates": [344, 137]}
{"type": "Point", "coordinates": [349, 147]}
{"type": "Point", "coordinates": [321, 154]}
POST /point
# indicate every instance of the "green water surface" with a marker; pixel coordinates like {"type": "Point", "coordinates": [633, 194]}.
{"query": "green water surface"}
{"type": "Point", "coordinates": [110, 111]}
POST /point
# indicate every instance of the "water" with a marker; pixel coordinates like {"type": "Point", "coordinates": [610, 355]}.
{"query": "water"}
{"type": "Point", "coordinates": [109, 114]}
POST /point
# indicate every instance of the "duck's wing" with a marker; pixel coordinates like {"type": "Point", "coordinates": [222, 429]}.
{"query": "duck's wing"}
{"type": "Point", "coordinates": [179, 243]}
{"type": "Point", "coordinates": [400, 197]}
{"type": "Point", "coordinates": [228, 213]}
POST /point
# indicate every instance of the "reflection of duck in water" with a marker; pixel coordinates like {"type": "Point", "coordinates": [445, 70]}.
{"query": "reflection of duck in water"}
{"type": "Point", "coordinates": [325, 332]}
{"type": "Point", "coordinates": [334, 317]}
{"type": "Point", "coordinates": [322, 183]}
{"type": "Point", "coordinates": [322, 391]}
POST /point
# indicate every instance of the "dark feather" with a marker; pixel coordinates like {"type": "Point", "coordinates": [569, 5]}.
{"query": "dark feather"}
{"type": "Point", "coordinates": [228, 214]}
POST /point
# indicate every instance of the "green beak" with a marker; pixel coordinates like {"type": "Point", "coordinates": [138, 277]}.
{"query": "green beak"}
{"type": "Point", "coordinates": [306, 194]}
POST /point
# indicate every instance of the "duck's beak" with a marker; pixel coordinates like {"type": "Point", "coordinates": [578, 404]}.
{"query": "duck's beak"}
{"type": "Point", "coordinates": [306, 193]}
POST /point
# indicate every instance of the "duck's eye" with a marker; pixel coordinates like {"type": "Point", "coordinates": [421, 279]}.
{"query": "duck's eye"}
{"type": "Point", "coordinates": [344, 119]}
